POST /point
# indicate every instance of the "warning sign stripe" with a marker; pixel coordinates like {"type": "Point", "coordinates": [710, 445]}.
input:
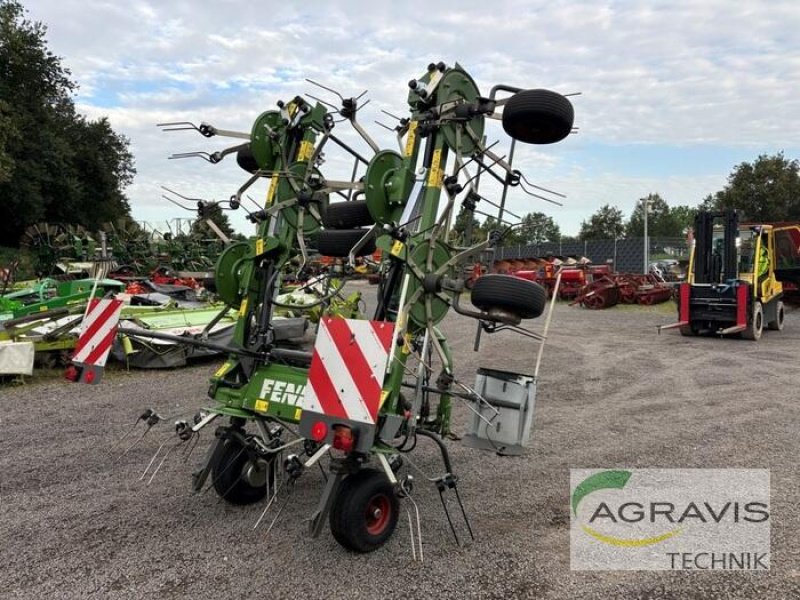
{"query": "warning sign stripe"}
{"type": "Point", "coordinates": [98, 332]}
{"type": "Point", "coordinates": [347, 368]}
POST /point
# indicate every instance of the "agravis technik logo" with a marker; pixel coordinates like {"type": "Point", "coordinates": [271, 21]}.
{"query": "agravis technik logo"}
{"type": "Point", "coordinates": [705, 519]}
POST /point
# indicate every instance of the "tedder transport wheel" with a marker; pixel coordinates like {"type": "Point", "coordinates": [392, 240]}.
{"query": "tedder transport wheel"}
{"type": "Point", "coordinates": [246, 160]}
{"type": "Point", "coordinates": [756, 324]}
{"type": "Point", "coordinates": [365, 511]}
{"type": "Point", "coordinates": [521, 297]}
{"type": "Point", "coordinates": [780, 314]}
{"type": "Point", "coordinates": [237, 478]}
{"type": "Point", "coordinates": [338, 243]}
{"type": "Point", "coordinates": [538, 117]}
{"type": "Point", "coordinates": [346, 215]}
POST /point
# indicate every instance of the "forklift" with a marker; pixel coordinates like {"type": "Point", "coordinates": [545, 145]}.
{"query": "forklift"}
{"type": "Point", "coordinates": [731, 286]}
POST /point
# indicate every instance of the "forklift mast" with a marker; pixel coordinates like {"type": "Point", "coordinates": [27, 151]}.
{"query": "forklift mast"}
{"type": "Point", "coordinates": [712, 264]}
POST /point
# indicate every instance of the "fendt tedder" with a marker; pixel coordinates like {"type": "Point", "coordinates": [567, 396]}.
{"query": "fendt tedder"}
{"type": "Point", "coordinates": [736, 275]}
{"type": "Point", "coordinates": [345, 398]}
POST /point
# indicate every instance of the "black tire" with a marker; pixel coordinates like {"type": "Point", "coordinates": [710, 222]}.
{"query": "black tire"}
{"type": "Point", "coordinates": [246, 160]}
{"type": "Point", "coordinates": [229, 475]}
{"type": "Point", "coordinates": [365, 512]}
{"type": "Point", "coordinates": [521, 297]}
{"type": "Point", "coordinates": [338, 243]}
{"type": "Point", "coordinates": [347, 215]}
{"type": "Point", "coordinates": [688, 330]}
{"type": "Point", "coordinates": [780, 315]}
{"type": "Point", "coordinates": [538, 117]}
{"type": "Point", "coordinates": [755, 326]}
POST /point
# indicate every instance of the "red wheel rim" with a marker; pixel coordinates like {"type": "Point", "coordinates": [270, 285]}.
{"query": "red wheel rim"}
{"type": "Point", "coordinates": [378, 512]}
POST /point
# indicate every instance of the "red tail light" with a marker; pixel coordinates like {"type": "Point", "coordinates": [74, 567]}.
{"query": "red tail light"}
{"type": "Point", "coordinates": [319, 431]}
{"type": "Point", "coordinates": [71, 373]}
{"type": "Point", "coordinates": [343, 438]}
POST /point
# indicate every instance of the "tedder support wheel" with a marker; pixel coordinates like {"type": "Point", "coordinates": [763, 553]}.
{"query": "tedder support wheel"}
{"type": "Point", "coordinates": [780, 315]}
{"type": "Point", "coordinates": [521, 297]}
{"type": "Point", "coordinates": [347, 215]}
{"type": "Point", "coordinates": [538, 117]}
{"type": "Point", "coordinates": [246, 160]}
{"type": "Point", "coordinates": [237, 478]}
{"type": "Point", "coordinates": [365, 511]}
{"type": "Point", "coordinates": [338, 243]}
{"type": "Point", "coordinates": [755, 326]}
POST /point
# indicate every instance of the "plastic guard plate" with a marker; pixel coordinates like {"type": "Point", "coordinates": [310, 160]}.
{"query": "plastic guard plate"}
{"type": "Point", "coordinates": [346, 374]}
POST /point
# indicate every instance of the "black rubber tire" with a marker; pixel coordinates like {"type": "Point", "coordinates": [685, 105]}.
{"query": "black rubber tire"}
{"type": "Point", "coordinates": [246, 160]}
{"type": "Point", "coordinates": [538, 117]}
{"type": "Point", "coordinates": [688, 330]}
{"type": "Point", "coordinates": [227, 476]}
{"type": "Point", "coordinates": [777, 324]}
{"type": "Point", "coordinates": [338, 242]}
{"type": "Point", "coordinates": [347, 215]}
{"type": "Point", "coordinates": [755, 326]}
{"type": "Point", "coordinates": [521, 297]}
{"type": "Point", "coordinates": [353, 519]}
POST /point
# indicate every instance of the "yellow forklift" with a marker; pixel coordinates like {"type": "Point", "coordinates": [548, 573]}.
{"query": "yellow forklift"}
{"type": "Point", "coordinates": [731, 286]}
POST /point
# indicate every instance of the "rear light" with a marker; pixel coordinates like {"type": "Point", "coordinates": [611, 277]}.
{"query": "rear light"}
{"type": "Point", "coordinates": [72, 373]}
{"type": "Point", "coordinates": [343, 438]}
{"type": "Point", "coordinates": [319, 431]}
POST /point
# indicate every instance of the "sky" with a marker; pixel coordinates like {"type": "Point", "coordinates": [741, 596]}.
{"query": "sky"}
{"type": "Point", "coordinates": [673, 95]}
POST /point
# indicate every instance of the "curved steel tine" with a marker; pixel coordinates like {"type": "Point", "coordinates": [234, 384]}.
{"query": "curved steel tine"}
{"type": "Point", "coordinates": [178, 126]}
{"type": "Point", "coordinates": [152, 460]}
{"type": "Point", "coordinates": [163, 460]}
{"type": "Point", "coordinates": [204, 155]}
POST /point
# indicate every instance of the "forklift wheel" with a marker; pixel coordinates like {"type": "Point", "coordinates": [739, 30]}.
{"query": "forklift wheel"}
{"type": "Point", "coordinates": [755, 326]}
{"type": "Point", "coordinates": [521, 297]}
{"type": "Point", "coordinates": [780, 312]}
{"type": "Point", "coordinates": [364, 514]}
{"type": "Point", "coordinates": [538, 117]}
{"type": "Point", "coordinates": [238, 479]}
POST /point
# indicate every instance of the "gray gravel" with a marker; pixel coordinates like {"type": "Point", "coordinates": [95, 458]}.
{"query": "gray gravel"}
{"type": "Point", "coordinates": [75, 523]}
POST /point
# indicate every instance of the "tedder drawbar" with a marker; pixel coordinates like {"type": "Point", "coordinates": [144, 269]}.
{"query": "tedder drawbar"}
{"type": "Point", "coordinates": [362, 395]}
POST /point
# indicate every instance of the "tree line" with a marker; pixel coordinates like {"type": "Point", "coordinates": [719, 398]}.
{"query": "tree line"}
{"type": "Point", "coordinates": [55, 164]}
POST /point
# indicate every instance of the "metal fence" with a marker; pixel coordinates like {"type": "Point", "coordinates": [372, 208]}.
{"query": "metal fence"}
{"type": "Point", "coordinates": [626, 255]}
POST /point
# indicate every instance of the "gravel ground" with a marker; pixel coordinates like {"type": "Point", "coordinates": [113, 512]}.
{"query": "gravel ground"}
{"type": "Point", "coordinates": [76, 523]}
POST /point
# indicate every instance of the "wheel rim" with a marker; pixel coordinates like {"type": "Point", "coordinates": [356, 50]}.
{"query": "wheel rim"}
{"type": "Point", "coordinates": [379, 510]}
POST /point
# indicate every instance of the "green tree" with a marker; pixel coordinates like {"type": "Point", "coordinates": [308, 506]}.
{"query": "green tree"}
{"type": "Point", "coordinates": [538, 228]}
{"type": "Point", "coordinates": [201, 229]}
{"type": "Point", "coordinates": [662, 220]}
{"type": "Point", "coordinates": [606, 224]}
{"type": "Point", "coordinates": [54, 164]}
{"type": "Point", "coordinates": [766, 190]}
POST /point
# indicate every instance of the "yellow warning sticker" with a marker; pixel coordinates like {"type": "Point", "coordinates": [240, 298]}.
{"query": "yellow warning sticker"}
{"type": "Point", "coordinates": [397, 248]}
{"type": "Point", "coordinates": [407, 344]}
{"type": "Point", "coordinates": [259, 247]}
{"type": "Point", "coordinates": [435, 175]}
{"type": "Point", "coordinates": [412, 138]}
{"type": "Point", "coordinates": [261, 405]}
{"type": "Point", "coordinates": [273, 187]}
{"type": "Point", "coordinates": [243, 308]}
{"type": "Point", "coordinates": [223, 369]}
{"type": "Point", "coordinates": [306, 150]}
{"type": "Point", "coordinates": [384, 397]}
{"type": "Point", "coordinates": [297, 413]}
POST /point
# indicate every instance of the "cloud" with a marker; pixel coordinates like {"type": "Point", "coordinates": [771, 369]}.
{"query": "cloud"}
{"type": "Point", "coordinates": [652, 74]}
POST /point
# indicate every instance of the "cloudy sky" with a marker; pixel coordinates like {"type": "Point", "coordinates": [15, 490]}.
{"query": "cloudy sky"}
{"type": "Point", "coordinates": [673, 94]}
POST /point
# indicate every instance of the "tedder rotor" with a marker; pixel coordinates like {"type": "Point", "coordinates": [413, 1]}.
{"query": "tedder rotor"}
{"type": "Point", "coordinates": [361, 396]}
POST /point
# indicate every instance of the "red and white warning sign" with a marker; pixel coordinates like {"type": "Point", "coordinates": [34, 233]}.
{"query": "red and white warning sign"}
{"type": "Point", "coordinates": [347, 368]}
{"type": "Point", "coordinates": [94, 343]}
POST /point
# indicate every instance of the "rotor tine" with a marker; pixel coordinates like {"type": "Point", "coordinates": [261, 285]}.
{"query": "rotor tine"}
{"type": "Point", "coordinates": [152, 460]}
{"type": "Point", "coordinates": [191, 446]}
{"type": "Point", "coordinates": [384, 126]}
{"type": "Point", "coordinates": [440, 486]}
{"type": "Point", "coordinates": [386, 112]}
{"type": "Point", "coordinates": [134, 444]}
{"type": "Point", "coordinates": [332, 91]}
{"type": "Point", "coordinates": [411, 533]}
{"type": "Point", "coordinates": [122, 439]}
{"type": "Point", "coordinates": [361, 95]}
{"type": "Point", "coordinates": [266, 508]}
{"type": "Point", "coordinates": [280, 510]}
{"type": "Point", "coordinates": [163, 460]}
{"type": "Point", "coordinates": [320, 100]}
{"type": "Point", "coordinates": [463, 512]}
